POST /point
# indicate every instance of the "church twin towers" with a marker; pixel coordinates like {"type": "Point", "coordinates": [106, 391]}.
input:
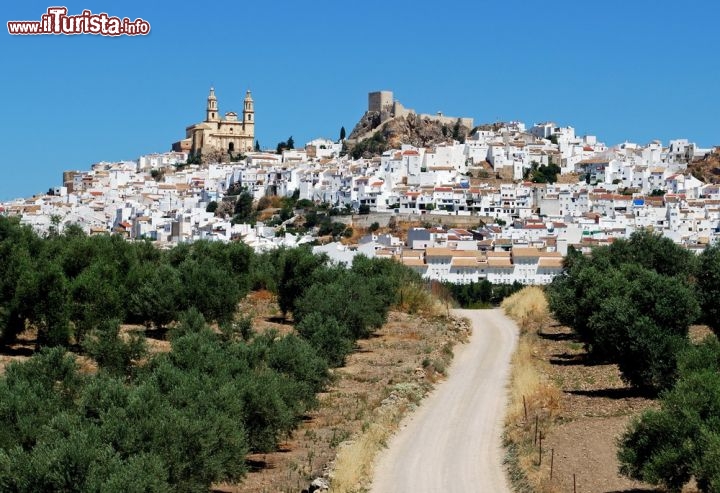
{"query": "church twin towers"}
{"type": "Point", "coordinates": [226, 135]}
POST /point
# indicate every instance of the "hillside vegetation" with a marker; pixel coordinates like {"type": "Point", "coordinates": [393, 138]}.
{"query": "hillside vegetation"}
{"type": "Point", "coordinates": [632, 303]}
{"type": "Point", "coordinates": [169, 421]}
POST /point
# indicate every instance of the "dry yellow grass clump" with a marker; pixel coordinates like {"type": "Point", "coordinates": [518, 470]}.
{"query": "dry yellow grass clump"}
{"type": "Point", "coordinates": [534, 401]}
{"type": "Point", "coordinates": [530, 390]}
{"type": "Point", "coordinates": [528, 307]}
{"type": "Point", "coordinates": [353, 464]}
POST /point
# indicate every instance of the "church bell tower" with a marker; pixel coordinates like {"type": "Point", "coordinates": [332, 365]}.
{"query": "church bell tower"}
{"type": "Point", "coordinates": [249, 115]}
{"type": "Point", "coordinates": [212, 110]}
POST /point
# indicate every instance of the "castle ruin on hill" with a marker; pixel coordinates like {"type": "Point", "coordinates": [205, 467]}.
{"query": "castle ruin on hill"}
{"type": "Point", "coordinates": [382, 107]}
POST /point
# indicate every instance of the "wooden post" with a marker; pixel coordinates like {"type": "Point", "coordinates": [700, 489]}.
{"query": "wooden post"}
{"type": "Point", "coordinates": [536, 430]}
{"type": "Point", "coordinates": [552, 461]}
{"type": "Point", "coordinates": [525, 407]}
{"type": "Point", "coordinates": [540, 450]}
{"type": "Point", "coordinates": [574, 484]}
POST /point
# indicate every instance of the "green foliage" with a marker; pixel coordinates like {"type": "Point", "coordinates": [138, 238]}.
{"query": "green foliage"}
{"type": "Point", "coordinates": [682, 439]}
{"type": "Point", "coordinates": [69, 284]}
{"type": "Point", "coordinates": [189, 322]}
{"type": "Point", "coordinates": [630, 303]}
{"type": "Point", "coordinates": [538, 173]}
{"type": "Point", "coordinates": [708, 283]}
{"type": "Point", "coordinates": [374, 226]}
{"type": "Point", "coordinates": [457, 132]}
{"type": "Point", "coordinates": [342, 133]}
{"type": "Point", "coordinates": [181, 423]}
{"type": "Point", "coordinates": [481, 294]}
{"type": "Point", "coordinates": [331, 339]}
{"type": "Point", "coordinates": [298, 359]}
{"type": "Point", "coordinates": [358, 299]}
{"type": "Point", "coordinates": [98, 295]}
{"type": "Point", "coordinates": [243, 210]}
{"type": "Point", "coordinates": [212, 206]}
{"type": "Point", "coordinates": [377, 144]}
{"type": "Point", "coordinates": [154, 293]}
{"type": "Point", "coordinates": [285, 145]}
{"type": "Point", "coordinates": [114, 353]}
{"type": "Point", "coordinates": [182, 420]}
{"type": "Point", "coordinates": [295, 268]}
{"type": "Point", "coordinates": [194, 158]}
{"type": "Point", "coordinates": [206, 283]}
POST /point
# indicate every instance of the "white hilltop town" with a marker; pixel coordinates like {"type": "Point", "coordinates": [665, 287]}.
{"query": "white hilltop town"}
{"type": "Point", "coordinates": [475, 225]}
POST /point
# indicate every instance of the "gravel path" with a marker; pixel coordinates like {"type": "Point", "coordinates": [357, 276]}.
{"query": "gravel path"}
{"type": "Point", "coordinates": [452, 442]}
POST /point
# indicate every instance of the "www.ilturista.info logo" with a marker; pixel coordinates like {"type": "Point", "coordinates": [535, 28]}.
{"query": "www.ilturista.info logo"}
{"type": "Point", "coordinates": [56, 21]}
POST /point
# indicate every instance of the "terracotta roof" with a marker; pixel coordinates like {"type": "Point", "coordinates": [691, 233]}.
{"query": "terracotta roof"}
{"type": "Point", "coordinates": [498, 254]}
{"type": "Point", "coordinates": [525, 252]}
{"type": "Point", "coordinates": [439, 252]}
{"type": "Point", "coordinates": [500, 262]}
{"type": "Point", "coordinates": [464, 262]}
{"type": "Point", "coordinates": [466, 253]}
{"type": "Point", "coordinates": [551, 262]}
{"type": "Point", "coordinates": [413, 262]}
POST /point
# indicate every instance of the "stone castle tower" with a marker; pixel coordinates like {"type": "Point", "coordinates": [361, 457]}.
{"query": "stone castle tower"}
{"type": "Point", "coordinates": [226, 135]}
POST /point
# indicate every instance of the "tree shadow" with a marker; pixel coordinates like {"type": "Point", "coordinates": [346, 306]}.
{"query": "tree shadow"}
{"type": "Point", "coordinates": [279, 320]}
{"type": "Point", "coordinates": [256, 465]}
{"type": "Point", "coordinates": [614, 393]}
{"type": "Point", "coordinates": [636, 490]}
{"type": "Point", "coordinates": [561, 336]}
{"type": "Point", "coordinates": [18, 350]}
{"type": "Point", "coordinates": [580, 359]}
{"type": "Point", "coordinates": [157, 333]}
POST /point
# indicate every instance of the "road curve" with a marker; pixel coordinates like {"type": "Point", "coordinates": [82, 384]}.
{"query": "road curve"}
{"type": "Point", "coordinates": [452, 443]}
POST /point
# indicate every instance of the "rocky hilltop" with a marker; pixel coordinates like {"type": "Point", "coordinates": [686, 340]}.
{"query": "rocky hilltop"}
{"type": "Point", "coordinates": [707, 168]}
{"type": "Point", "coordinates": [373, 136]}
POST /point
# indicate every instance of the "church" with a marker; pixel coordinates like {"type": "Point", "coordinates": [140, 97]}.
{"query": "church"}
{"type": "Point", "coordinates": [215, 134]}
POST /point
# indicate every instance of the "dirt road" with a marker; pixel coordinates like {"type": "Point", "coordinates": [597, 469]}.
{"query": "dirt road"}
{"type": "Point", "coordinates": [452, 442]}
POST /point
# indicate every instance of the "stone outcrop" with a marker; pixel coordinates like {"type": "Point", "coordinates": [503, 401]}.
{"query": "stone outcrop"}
{"type": "Point", "coordinates": [387, 124]}
{"type": "Point", "coordinates": [707, 168]}
{"type": "Point", "coordinates": [411, 129]}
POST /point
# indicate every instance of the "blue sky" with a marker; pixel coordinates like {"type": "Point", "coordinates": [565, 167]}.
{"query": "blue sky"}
{"type": "Point", "coordinates": [636, 70]}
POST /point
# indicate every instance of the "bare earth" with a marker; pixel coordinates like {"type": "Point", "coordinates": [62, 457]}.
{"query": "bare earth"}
{"type": "Point", "coordinates": [452, 443]}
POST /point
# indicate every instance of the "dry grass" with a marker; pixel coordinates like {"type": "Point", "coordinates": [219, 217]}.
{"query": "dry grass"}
{"type": "Point", "coordinates": [534, 401]}
{"type": "Point", "coordinates": [354, 461]}
{"type": "Point", "coordinates": [416, 299]}
{"type": "Point", "coordinates": [528, 307]}
{"type": "Point", "coordinates": [353, 466]}
{"type": "Point", "coordinates": [367, 397]}
{"type": "Point", "coordinates": [531, 392]}
{"type": "Point", "coordinates": [358, 232]}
